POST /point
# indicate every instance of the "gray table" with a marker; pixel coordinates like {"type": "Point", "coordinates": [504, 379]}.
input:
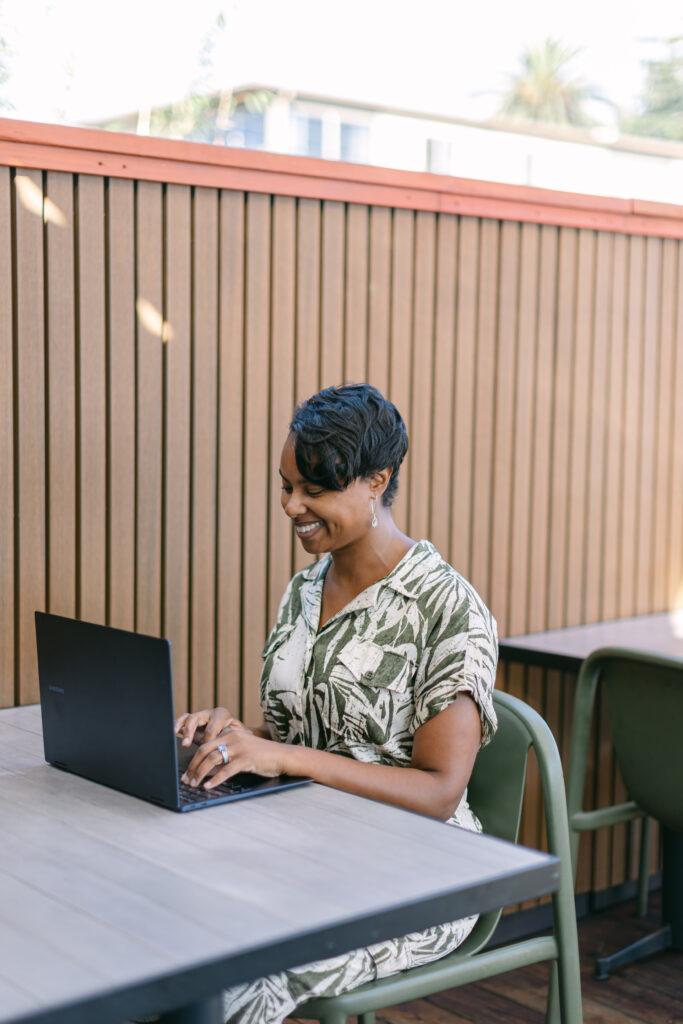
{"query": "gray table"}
{"type": "Point", "coordinates": [565, 649]}
{"type": "Point", "coordinates": [111, 907]}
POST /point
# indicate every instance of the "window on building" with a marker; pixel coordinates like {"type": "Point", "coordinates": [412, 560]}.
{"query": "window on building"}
{"type": "Point", "coordinates": [308, 135]}
{"type": "Point", "coordinates": [354, 143]}
{"type": "Point", "coordinates": [246, 129]}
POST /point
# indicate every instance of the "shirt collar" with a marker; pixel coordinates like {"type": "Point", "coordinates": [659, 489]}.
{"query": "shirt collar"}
{"type": "Point", "coordinates": [408, 576]}
{"type": "Point", "coordinates": [405, 578]}
{"type": "Point", "coordinates": [311, 591]}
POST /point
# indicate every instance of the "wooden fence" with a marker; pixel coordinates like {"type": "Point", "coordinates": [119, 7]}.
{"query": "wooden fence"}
{"type": "Point", "coordinates": [164, 305]}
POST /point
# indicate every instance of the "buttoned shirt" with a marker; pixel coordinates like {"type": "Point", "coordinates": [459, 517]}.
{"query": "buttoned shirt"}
{"type": "Point", "coordinates": [395, 656]}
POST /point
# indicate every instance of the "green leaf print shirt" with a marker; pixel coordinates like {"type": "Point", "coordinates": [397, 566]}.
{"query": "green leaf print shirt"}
{"type": "Point", "coordinates": [390, 660]}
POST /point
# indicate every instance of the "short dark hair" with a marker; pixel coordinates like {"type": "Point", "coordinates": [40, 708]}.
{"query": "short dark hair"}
{"type": "Point", "coordinates": [346, 432]}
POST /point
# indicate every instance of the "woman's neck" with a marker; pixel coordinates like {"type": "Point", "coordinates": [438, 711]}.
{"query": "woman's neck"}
{"type": "Point", "coordinates": [357, 567]}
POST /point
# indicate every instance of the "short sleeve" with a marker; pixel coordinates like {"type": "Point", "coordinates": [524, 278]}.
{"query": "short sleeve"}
{"type": "Point", "coordinates": [460, 656]}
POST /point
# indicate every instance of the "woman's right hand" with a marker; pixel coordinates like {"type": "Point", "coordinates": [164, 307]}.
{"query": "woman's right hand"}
{"type": "Point", "coordinates": [208, 723]}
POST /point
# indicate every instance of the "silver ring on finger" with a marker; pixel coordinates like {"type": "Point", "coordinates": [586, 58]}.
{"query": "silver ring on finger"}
{"type": "Point", "coordinates": [223, 751]}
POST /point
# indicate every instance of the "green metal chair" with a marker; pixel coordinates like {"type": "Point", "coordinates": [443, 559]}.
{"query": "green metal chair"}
{"type": "Point", "coordinates": [495, 793]}
{"type": "Point", "coordinates": [645, 704]}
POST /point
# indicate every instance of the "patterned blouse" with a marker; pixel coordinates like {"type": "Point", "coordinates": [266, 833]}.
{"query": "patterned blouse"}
{"type": "Point", "coordinates": [390, 660]}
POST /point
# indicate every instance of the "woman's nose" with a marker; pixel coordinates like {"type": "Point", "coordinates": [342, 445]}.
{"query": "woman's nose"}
{"type": "Point", "coordinates": [293, 505]}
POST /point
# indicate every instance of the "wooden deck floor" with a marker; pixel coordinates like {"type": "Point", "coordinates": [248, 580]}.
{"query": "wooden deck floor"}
{"type": "Point", "coordinates": [649, 992]}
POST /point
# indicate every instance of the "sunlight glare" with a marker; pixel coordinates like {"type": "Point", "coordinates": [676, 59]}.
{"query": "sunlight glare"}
{"type": "Point", "coordinates": [676, 617]}
{"type": "Point", "coordinates": [31, 198]}
{"type": "Point", "coordinates": [152, 320]}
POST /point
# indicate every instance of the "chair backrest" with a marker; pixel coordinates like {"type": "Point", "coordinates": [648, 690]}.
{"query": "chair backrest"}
{"type": "Point", "coordinates": [496, 788]}
{"type": "Point", "coordinates": [645, 702]}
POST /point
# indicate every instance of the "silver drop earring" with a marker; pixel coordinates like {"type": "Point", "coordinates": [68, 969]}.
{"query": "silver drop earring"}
{"type": "Point", "coordinates": [373, 502]}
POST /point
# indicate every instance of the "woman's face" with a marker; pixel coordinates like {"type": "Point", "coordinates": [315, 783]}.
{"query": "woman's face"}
{"type": "Point", "coordinates": [323, 520]}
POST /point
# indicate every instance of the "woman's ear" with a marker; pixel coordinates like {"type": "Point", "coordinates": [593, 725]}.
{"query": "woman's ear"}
{"type": "Point", "coordinates": [379, 482]}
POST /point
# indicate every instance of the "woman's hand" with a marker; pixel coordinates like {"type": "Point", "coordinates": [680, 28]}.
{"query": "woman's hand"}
{"type": "Point", "coordinates": [246, 753]}
{"type": "Point", "coordinates": [208, 724]}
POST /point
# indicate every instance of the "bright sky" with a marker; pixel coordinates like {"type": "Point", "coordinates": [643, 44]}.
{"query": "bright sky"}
{"type": "Point", "coordinates": [80, 60]}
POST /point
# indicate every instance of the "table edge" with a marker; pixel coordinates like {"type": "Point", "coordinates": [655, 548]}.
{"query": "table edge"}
{"type": "Point", "coordinates": [168, 991]}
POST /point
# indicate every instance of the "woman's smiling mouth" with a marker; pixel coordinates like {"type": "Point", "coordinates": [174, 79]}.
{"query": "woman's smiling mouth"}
{"type": "Point", "coordinates": [306, 529]}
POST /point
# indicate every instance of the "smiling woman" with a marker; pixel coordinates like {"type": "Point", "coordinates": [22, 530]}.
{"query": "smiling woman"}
{"type": "Point", "coordinates": [377, 675]}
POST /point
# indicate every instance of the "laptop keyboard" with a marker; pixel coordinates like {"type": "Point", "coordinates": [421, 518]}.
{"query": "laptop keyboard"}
{"type": "Point", "coordinates": [198, 795]}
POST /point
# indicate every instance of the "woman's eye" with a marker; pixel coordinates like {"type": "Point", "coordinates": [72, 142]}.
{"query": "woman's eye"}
{"type": "Point", "coordinates": [287, 490]}
{"type": "Point", "coordinates": [313, 494]}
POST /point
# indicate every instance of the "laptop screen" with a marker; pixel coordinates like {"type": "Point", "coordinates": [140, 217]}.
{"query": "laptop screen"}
{"type": "Point", "coordinates": [107, 705]}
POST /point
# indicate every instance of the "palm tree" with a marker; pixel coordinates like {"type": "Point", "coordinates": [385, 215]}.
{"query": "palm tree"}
{"type": "Point", "coordinates": [544, 89]}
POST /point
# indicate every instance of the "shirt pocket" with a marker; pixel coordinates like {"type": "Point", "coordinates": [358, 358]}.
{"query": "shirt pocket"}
{"type": "Point", "coordinates": [368, 697]}
{"type": "Point", "coordinates": [370, 665]}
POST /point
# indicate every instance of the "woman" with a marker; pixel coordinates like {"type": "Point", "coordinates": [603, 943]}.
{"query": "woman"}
{"type": "Point", "coordinates": [377, 675]}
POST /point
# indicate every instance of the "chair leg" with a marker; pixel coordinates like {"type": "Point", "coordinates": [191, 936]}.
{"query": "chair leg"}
{"type": "Point", "coordinates": [644, 866]}
{"type": "Point", "coordinates": [564, 991]}
{"type": "Point", "coordinates": [552, 1013]}
{"type": "Point", "coordinates": [367, 1018]}
{"type": "Point", "coordinates": [564, 996]}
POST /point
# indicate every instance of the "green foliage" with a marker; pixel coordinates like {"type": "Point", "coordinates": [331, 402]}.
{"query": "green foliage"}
{"type": "Point", "coordinates": [205, 118]}
{"type": "Point", "coordinates": [544, 90]}
{"type": "Point", "coordinates": [204, 114]}
{"type": "Point", "coordinates": [193, 117]}
{"type": "Point", "coordinates": [661, 104]}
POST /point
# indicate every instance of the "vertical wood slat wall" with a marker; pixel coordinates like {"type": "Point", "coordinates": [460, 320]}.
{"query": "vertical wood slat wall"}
{"type": "Point", "coordinates": [154, 339]}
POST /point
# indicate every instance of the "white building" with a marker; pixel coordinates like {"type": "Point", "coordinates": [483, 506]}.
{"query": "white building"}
{"type": "Point", "coordinates": [598, 161]}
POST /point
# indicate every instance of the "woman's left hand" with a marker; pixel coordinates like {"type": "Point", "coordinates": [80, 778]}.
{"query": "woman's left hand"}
{"type": "Point", "coordinates": [246, 753]}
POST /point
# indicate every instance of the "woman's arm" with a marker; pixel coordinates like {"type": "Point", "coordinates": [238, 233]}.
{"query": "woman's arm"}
{"type": "Point", "coordinates": [444, 750]}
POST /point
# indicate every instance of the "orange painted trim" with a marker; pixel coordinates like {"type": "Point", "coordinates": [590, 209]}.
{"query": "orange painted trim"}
{"type": "Point", "coordinates": [24, 144]}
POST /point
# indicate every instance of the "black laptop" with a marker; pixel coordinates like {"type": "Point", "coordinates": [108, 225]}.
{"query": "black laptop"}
{"type": "Point", "coordinates": [106, 698]}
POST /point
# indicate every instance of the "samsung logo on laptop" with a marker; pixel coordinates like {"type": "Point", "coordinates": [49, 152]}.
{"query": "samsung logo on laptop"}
{"type": "Point", "coordinates": [56, 689]}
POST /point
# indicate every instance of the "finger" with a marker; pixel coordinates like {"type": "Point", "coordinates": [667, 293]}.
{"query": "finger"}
{"type": "Point", "coordinates": [190, 725]}
{"type": "Point", "coordinates": [221, 775]}
{"type": "Point", "coordinates": [179, 722]}
{"type": "Point", "coordinates": [219, 718]}
{"type": "Point", "coordinates": [234, 724]}
{"type": "Point", "coordinates": [194, 767]}
{"type": "Point", "coordinates": [213, 726]}
{"type": "Point", "coordinates": [207, 759]}
{"type": "Point", "coordinates": [187, 729]}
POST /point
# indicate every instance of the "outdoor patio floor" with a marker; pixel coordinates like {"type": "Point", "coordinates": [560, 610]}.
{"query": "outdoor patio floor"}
{"type": "Point", "coordinates": [650, 991]}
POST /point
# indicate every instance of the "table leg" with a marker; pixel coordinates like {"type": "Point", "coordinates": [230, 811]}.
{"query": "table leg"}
{"type": "Point", "coordinates": [672, 884]}
{"type": "Point", "coordinates": [206, 1011]}
{"type": "Point", "coordinates": [671, 935]}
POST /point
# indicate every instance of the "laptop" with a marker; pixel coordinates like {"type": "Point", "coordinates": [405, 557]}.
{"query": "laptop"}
{"type": "Point", "coordinates": [106, 698]}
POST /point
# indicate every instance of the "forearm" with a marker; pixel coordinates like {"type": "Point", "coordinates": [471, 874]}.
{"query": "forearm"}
{"type": "Point", "coordinates": [428, 792]}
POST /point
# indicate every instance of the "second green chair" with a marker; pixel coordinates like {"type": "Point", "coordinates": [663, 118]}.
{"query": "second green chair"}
{"type": "Point", "coordinates": [644, 694]}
